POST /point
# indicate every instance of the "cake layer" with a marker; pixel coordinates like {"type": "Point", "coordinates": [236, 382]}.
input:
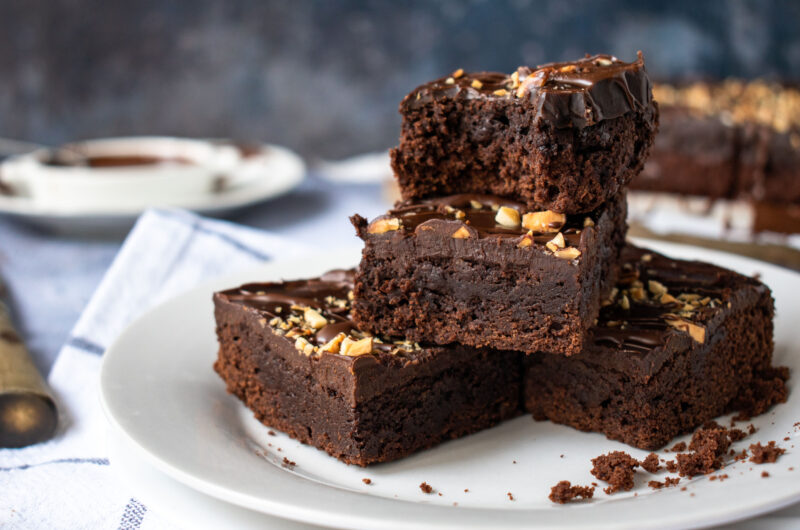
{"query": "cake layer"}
{"type": "Point", "coordinates": [485, 272]}
{"type": "Point", "coordinates": [565, 137]}
{"type": "Point", "coordinates": [290, 353]}
{"type": "Point", "coordinates": [677, 344]}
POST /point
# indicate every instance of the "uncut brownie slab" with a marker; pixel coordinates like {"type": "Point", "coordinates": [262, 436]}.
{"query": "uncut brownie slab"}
{"type": "Point", "coordinates": [731, 139]}
{"type": "Point", "coordinates": [290, 353]}
{"type": "Point", "coordinates": [485, 272]}
{"type": "Point", "coordinates": [565, 137]}
{"type": "Point", "coordinates": [678, 343]}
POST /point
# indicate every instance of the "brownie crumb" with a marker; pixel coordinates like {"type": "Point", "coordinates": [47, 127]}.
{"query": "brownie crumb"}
{"type": "Point", "coordinates": [366, 481]}
{"type": "Point", "coordinates": [751, 429]}
{"type": "Point", "coordinates": [650, 463]}
{"type": "Point", "coordinates": [764, 474]}
{"type": "Point", "coordinates": [440, 494]}
{"type": "Point", "coordinates": [786, 439]}
{"type": "Point", "coordinates": [741, 456]}
{"type": "Point", "coordinates": [736, 434]}
{"type": "Point", "coordinates": [564, 492]}
{"type": "Point", "coordinates": [763, 454]}
{"type": "Point", "coordinates": [466, 490]}
{"type": "Point", "coordinates": [510, 496]}
{"type": "Point", "coordinates": [617, 468]}
{"type": "Point", "coordinates": [271, 433]}
{"type": "Point", "coordinates": [668, 482]}
{"type": "Point", "coordinates": [678, 447]}
{"type": "Point", "coordinates": [288, 463]}
{"type": "Point", "coordinates": [426, 488]}
{"type": "Point", "coordinates": [708, 447]}
{"type": "Point", "coordinates": [683, 488]}
{"type": "Point", "coordinates": [671, 466]}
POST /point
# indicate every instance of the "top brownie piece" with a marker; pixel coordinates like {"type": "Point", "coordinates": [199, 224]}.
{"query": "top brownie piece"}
{"type": "Point", "coordinates": [565, 137]}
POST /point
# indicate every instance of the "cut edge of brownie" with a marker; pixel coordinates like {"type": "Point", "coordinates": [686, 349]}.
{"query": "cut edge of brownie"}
{"type": "Point", "coordinates": [438, 394]}
{"type": "Point", "coordinates": [648, 402]}
{"type": "Point", "coordinates": [427, 285]}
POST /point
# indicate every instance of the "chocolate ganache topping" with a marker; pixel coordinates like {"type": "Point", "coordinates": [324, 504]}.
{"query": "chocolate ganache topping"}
{"type": "Point", "coordinates": [656, 297]}
{"type": "Point", "coordinates": [569, 94]}
{"type": "Point", "coordinates": [285, 307]}
{"type": "Point", "coordinates": [469, 215]}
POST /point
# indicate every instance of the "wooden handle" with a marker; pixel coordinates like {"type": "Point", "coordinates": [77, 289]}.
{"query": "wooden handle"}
{"type": "Point", "coordinates": [28, 413]}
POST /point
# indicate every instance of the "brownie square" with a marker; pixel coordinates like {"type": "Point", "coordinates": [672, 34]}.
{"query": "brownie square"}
{"type": "Point", "coordinates": [679, 343]}
{"type": "Point", "coordinates": [565, 137]}
{"type": "Point", "coordinates": [290, 353]}
{"type": "Point", "coordinates": [483, 271]}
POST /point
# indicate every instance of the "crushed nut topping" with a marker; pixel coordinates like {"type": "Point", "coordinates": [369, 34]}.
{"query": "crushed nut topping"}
{"type": "Point", "coordinates": [450, 81]}
{"type": "Point", "coordinates": [500, 92]}
{"type": "Point", "coordinates": [557, 242]}
{"type": "Point", "coordinates": [475, 204]}
{"type": "Point", "coordinates": [567, 253]}
{"type": "Point", "coordinates": [526, 241]}
{"type": "Point", "coordinates": [381, 226]}
{"type": "Point", "coordinates": [697, 332]}
{"type": "Point", "coordinates": [461, 233]}
{"type": "Point", "coordinates": [354, 348]}
{"type": "Point", "coordinates": [314, 318]}
{"type": "Point", "coordinates": [476, 84]}
{"type": "Point", "coordinates": [304, 346]}
{"type": "Point", "coordinates": [546, 221]}
{"type": "Point", "coordinates": [508, 217]}
{"type": "Point", "coordinates": [458, 73]}
{"type": "Point", "coordinates": [333, 345]}
{"type": "Point", "coordinates": [587, 223]}
{"type": "Point", "coordinates": [657, 288]}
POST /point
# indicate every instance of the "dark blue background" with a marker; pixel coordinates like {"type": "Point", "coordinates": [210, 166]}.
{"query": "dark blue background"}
{"type": "Point", "coordinates": [325, 77]}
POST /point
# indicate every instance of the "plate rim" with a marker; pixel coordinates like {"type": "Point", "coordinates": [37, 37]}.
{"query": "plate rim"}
{"type": "Point", "coordinates": [26, 208]}
{"type": "Point", "coordinates": [314, 516]}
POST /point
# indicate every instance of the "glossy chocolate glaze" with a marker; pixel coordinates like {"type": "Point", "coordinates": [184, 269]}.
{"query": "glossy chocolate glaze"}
{"type": "Point", "coordinates": [569, 94]}
{"type": "Point", "coordinates": [278, 300]}
{"type": "Point", "coordinates": [424, 214]}
{"type": "Point", "coordinates": [643, 326]}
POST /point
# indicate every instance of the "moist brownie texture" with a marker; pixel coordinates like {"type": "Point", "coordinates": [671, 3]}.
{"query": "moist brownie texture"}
{"type": "Point", "coordinates": [485, 272]}
{"type": "Point", "coordinates": [733, 139]}
{"type": "Point", "coordinates": [565, 137]}
{"type": "Point", "coordinates": [291, 354]}
{"type": "Point", "coordinates": [677, 343]}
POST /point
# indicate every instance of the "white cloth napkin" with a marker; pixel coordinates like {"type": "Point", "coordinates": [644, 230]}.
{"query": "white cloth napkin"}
{"type": "Point", "coordinates": [68, 482]}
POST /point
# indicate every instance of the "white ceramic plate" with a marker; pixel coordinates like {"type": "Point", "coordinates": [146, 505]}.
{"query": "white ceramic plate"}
{"type": "Point", "coordinates": [159, 391]}
{"type": "Point", "coordinates": [273, 173]}
{"type": "Point", "coordinates": [181, 505]}
{"type": "Point", "coordinates": [188, 508]}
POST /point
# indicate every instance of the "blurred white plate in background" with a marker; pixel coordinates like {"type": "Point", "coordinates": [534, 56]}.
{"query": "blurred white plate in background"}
{"type": "Point", "coordinates": [219, 179]}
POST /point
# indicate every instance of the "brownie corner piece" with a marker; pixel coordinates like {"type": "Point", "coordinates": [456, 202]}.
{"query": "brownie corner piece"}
{"type": "Point", "coordinates": [680, 343]}
{"type": "Point", "coordinates": [291, 354]}
{"type": "Point", "coordinates": [485, 272]}
{"type": "Point", "coordinates": [565, 137]}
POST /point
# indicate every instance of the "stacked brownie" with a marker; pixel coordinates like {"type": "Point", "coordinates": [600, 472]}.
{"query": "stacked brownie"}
{"type": "Point", "coordinates": [502, 284]}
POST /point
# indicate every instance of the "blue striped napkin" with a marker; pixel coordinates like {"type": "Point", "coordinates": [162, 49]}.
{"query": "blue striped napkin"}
{"type": "Point", "coordinates": [68, 482]}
